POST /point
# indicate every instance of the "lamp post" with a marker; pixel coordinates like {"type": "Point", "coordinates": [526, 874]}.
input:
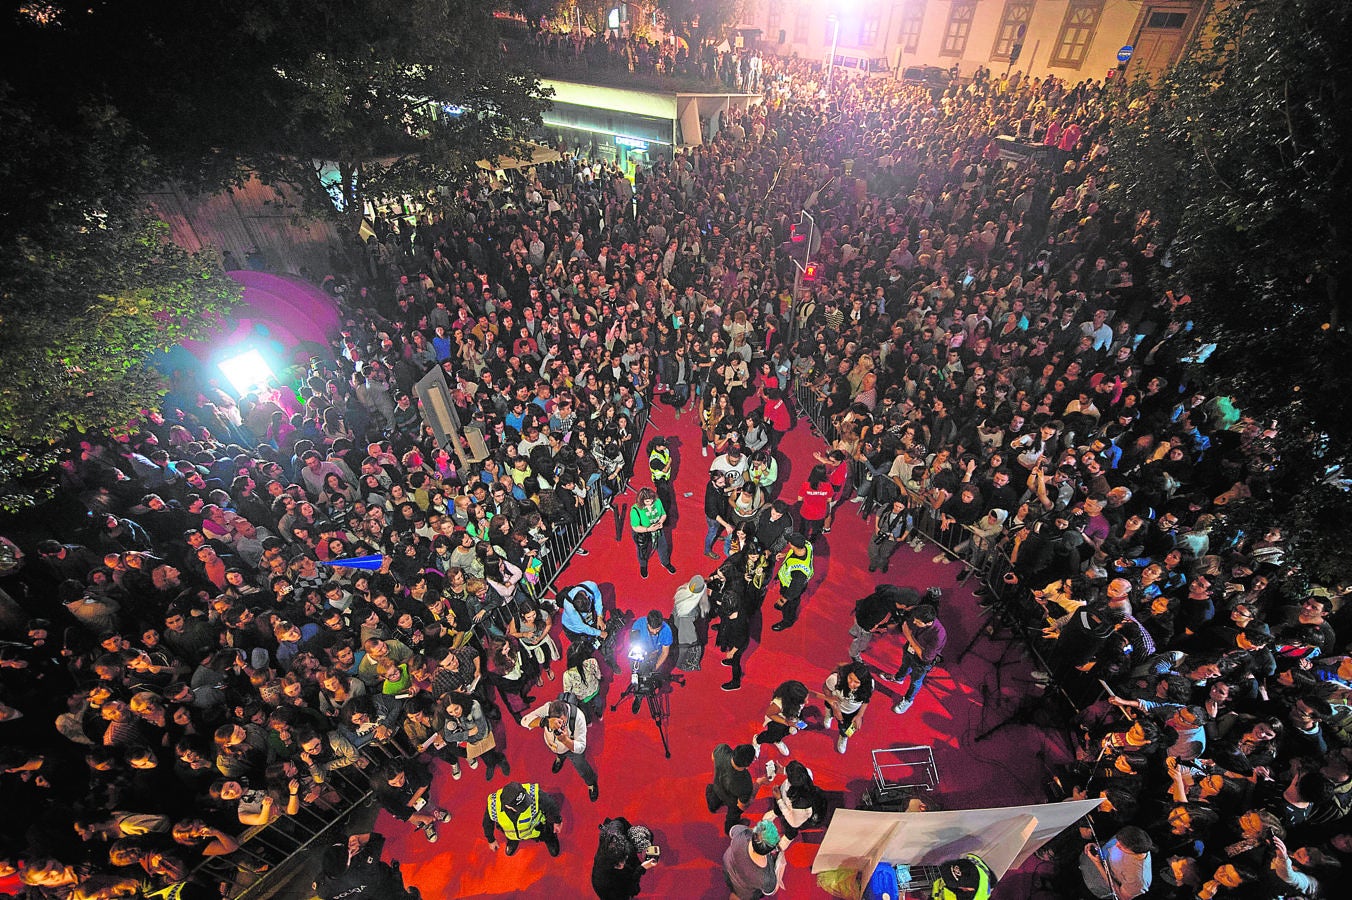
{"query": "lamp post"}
{"type": "Point", "coordinates": [831, 62]}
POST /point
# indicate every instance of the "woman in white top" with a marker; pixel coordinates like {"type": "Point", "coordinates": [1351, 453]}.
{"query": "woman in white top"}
{"type": "Point", "coordinates": [848, 691]}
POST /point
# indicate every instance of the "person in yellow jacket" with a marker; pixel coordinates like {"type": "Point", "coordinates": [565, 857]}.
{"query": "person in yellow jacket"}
{"type": "Point", "coordinates": [522, 813]}
{"type": "Point", "coordinates": [661, 468]}
{"type": "Point", "coordinates": [965, 878]}
{"type": "Point", "coordinates": [794, 574]}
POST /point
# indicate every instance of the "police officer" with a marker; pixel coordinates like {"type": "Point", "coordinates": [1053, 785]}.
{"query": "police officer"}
{"type": "Point", "coordinates": [794, 573]}
{"type": "Point", "coordinates": [659, 467]}
{"type": "Point", "coordinates": [965, 878]}
{"type": "Point", "coordinates": [522, 813]}
{"type": "Point", "coordinates": [354, 869]}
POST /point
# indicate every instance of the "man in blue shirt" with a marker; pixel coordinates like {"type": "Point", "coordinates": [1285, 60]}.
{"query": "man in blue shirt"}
{"type": "Point", "coordinates": [650, 642]}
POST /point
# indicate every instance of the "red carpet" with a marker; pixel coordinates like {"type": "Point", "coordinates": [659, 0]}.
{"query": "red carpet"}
{"type": "Point", "coordinates": [959, 701]}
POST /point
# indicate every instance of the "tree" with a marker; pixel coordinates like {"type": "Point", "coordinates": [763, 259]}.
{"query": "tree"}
{"type": "Point", "coordinates": [1241, 154]}
{"type": "Point", "coordinates": [347, 102]}
{"type": "Point", "coordinates": [699, 21]}
{"type": "Point", "coordinates": [90, 287]}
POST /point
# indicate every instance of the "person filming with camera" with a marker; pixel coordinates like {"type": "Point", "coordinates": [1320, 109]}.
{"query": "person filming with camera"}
{"type": "Point", "coordinates": [650, 640]}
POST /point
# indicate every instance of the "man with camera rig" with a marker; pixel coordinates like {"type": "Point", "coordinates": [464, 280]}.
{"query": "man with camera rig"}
{"type": "Point", "coordinates": [650, 641]}
{"type": "Point", "coordinates": [565, 733]}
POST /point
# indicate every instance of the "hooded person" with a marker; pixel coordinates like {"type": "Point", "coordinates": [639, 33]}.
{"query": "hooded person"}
{"type": "Point", "coordinates": [689, 607]}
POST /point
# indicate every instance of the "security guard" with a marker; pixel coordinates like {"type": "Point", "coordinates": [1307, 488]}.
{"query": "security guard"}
{"type": "Point", "coordinates": [523, 814]}
{"type": "Point", "coordinates": [354, 869]}
{"type": "Point", "coordinates": [965, 878]}
{"type": "Point", "coordinates": [794, 574]}
{"type": "Point", "coordinates": [659, 466]}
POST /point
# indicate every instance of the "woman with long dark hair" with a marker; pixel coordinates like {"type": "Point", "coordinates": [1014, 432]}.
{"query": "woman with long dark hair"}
{"type": "Point", "coordinates": [783, 716]}
{"type": "Point", "coordinates": [848, 691]}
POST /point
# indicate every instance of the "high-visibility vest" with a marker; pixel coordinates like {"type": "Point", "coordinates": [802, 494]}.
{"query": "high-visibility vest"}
{"type": "Point", "coordinates": [793, 563]}
{"type": "Point", "coordinates": [659, 464]}
{"type": "Point", "coordinates": [527, 823]}
{"type": "Point", "coordinates": [941, 891]}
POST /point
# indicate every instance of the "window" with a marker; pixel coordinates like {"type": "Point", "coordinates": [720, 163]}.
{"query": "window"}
{"type": "Point", "coordinates": [1014, 19]}
{"type": "Point", "coordinates": [959, 27]}
{"type": "Point", "coordinates": [775, 18]}
{"type": "Point", "coordinates": [800, 27]}
{"type": "Point", "coordinates": [1077, 33]}
{"type": "Point", "coordinates": [1171, 20]}
{"type": "Point", "coordinates": [912, 18]}
{"type": "Point", "coordinates": [868, 32]}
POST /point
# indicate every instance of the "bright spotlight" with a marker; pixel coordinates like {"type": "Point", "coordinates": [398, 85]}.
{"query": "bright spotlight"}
{"type": "Point", "coordinates": [246, 371]}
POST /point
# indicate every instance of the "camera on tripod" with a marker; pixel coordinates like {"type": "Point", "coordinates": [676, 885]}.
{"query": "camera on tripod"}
{"type": "Point", "coordinates": [646, 680]}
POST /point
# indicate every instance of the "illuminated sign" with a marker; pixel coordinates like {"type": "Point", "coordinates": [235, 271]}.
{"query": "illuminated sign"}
{"type": "Point", "coordinates": [631, 143]}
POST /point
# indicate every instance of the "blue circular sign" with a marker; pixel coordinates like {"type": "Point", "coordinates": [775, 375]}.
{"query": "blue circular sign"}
{"type": "Point", "coordinates": [1125, 53]}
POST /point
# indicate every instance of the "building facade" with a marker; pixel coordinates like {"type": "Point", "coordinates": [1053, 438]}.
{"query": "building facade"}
{"type": "Point", "coordinates": [1072, 39]}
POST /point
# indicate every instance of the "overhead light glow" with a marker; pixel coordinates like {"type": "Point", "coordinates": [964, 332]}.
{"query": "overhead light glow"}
{"type": "Point", "coordinates": [246, 371]}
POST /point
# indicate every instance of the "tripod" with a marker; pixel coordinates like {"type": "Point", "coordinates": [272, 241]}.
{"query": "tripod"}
{"type": "Point", "coordinates": [651, 689]}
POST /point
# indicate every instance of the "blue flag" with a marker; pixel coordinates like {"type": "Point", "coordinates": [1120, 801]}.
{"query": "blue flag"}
{"type": "Point", "coordinates": [357, 562]}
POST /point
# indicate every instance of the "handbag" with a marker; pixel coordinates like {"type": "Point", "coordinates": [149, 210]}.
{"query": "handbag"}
{"type": "Point", "coordinates": [480, 747]}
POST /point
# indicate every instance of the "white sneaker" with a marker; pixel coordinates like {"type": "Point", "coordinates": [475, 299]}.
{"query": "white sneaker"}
{"type": "Point", "coordinates": [841, 743]}
{"type": "Point", "coordinates": [901, 706]}
{"type": "Point", "coordinates": [757, 746]}
{"type": "Point", "coordinates": [782, 747]}
{"type": "Point", "coordinates": [856, 499]}
{"type": "Point", "coordinates": [938, 558]}
{"type": "Point", "coordinates": [474, 764]}
{"type": "Point", "coordinates": [455, 771]}
{"type": "Point", "coordinates": [703, 451]}
{"type": "Point", "coordinates": [826, 725]}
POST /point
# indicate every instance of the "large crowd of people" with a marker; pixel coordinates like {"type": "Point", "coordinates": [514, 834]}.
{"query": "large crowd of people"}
{"type": "Point", "coordinates": [992, 371]}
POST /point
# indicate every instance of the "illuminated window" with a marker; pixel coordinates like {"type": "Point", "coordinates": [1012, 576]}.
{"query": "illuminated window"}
{"type": "Point", "coordinates": [868, 32]}
{"type": "Point", "coordinates": [775, 17]}
{"type": "Point", "coordinates": [958, 29]}
{"type": "Point", "coordinates": [912, 18]}
{"type": "Point", "coordinates": [1077, 33]}
{"type": "Point", "coordinates": [800, 26]}
{"type": "Point", "coordinates": [1015, 17]}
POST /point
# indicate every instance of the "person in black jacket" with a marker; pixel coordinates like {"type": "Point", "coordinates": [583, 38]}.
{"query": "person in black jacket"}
{"type": "Point", "coordinates": [716, 511]}
{"type": "Point", "coordinates": [403, 787]}
{"type": "Point", "coordinates": [624, 853]}
{"type": "Point", "coordinates": [354, 869]}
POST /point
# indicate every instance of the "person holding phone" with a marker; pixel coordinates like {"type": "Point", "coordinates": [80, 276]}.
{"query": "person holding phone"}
{"type": "Point", "coordinates": [623, 854]}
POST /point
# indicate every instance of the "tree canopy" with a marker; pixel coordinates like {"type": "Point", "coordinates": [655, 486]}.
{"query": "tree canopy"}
{"type": "Point", "coordinates": [90, 287]}
{"type": "Point", "coordinates": [362, 98]}
{"type": "Point", "coordinates": [700, 20]}
{"type": "Point", "coordinates": [1241, 152]}
{"type": "Point", "coordinates": [104, 100]}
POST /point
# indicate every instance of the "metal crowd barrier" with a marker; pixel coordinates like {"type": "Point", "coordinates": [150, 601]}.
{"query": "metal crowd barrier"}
{"type": "Point", "coordinates": [266, 851]}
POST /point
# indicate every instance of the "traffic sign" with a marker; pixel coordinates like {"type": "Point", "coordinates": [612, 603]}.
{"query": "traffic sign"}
{"type": "Point", "coordinates": [1125, 53]}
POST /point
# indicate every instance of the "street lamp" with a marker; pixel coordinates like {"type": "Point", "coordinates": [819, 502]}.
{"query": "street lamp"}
{"type": "Point", "coordinates": [835, 39]}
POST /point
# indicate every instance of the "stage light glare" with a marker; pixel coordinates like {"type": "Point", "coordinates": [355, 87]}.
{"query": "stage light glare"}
{"type": "Point", "coordinates": [246, 371]}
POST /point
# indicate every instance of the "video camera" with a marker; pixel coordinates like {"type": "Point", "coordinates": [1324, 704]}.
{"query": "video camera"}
{"type": "Point", "coordinates": [646, 679]}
